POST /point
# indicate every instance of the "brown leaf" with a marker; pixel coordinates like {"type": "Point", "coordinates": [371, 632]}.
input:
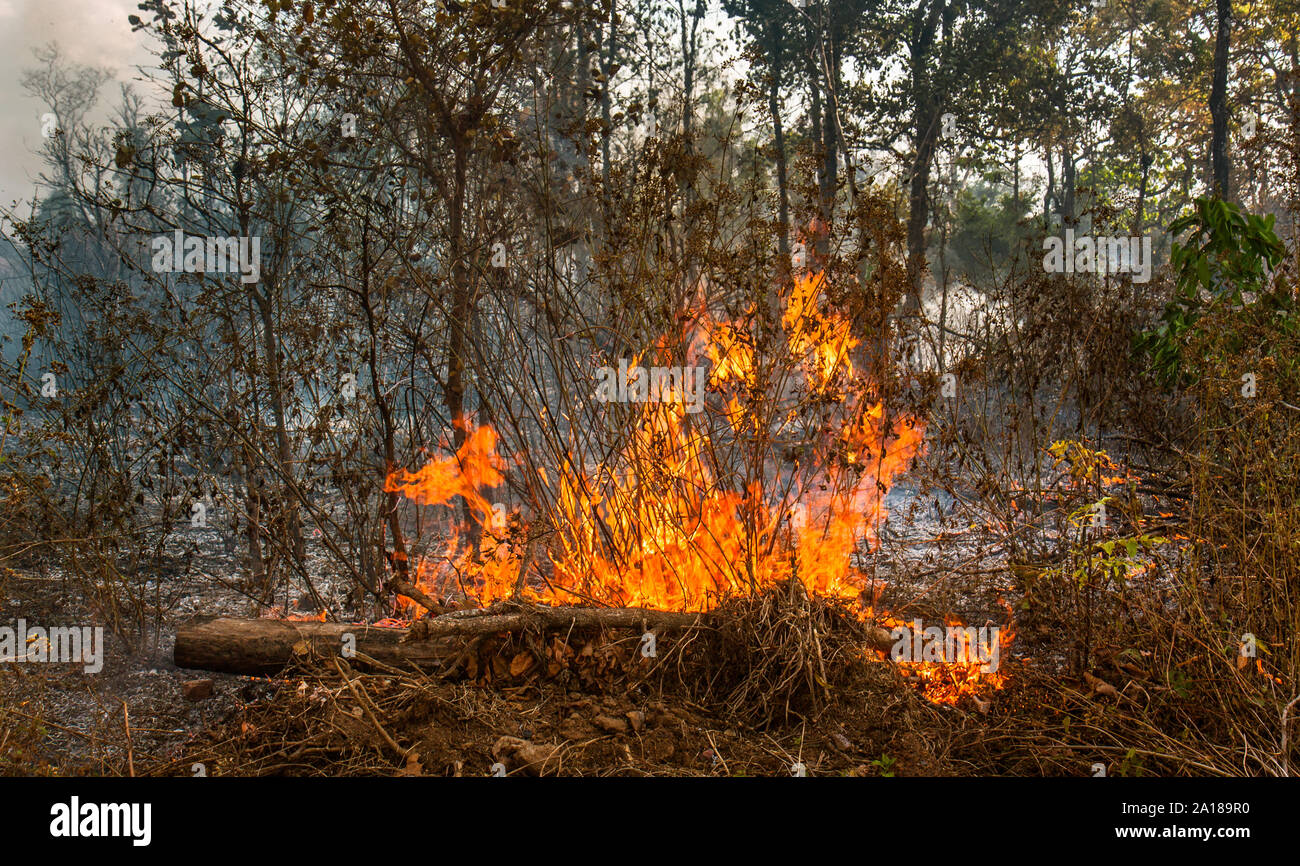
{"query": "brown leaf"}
{"type": "Point", "coordinates": [534, 759]}
{"type": "Point", "coordinates": [522, 663]}
{"type": "Point", "coordinates": [413, 766]}
{"type": "Point", "coordinates": [1100, 686]}
{"type": "Point", "coordinates": [1132, 670]}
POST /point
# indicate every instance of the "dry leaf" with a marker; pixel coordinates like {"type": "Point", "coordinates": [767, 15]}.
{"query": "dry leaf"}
{"type": "Point", "coordinates": [521, 664]}
{"type": "Point", "coordinates": [1100, 686]}
{"type": "Point", "coordinates": [532, 758]}
{"type": "Point", "coordinates": [1132, 670]}
{"type": "Point", "coordinates": [413, 766]}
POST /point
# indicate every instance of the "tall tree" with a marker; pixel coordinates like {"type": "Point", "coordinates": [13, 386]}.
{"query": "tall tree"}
{"type": "Point", "coordinates": [952, 54]}
{"type": "Point", "coordinates": [1219, 98]}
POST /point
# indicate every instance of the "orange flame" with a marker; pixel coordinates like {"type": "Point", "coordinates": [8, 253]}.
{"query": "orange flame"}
{"type": "Point", "coordinates": [960, 669]}
{"type": "Point", "coordinates": [474, 467]}
{"type": "Point", "coordinates": [656, 527]}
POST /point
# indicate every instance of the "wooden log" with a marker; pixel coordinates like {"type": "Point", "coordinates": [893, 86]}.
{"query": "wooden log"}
{"type": "Point", "coordinates": [266, 646]}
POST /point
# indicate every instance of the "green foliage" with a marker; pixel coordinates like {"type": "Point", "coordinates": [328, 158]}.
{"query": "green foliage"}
{"type": "Point", "coordinates": [1227, 254]}
{"type": "Point", "coordinates": [1132, 765]}
{"type": "Point", "coordinates": [1180, 684]}
{"type": "Point", "coordinates": [989, 232]}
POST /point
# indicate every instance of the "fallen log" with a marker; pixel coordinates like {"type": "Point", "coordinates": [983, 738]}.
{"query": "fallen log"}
{"type": "Point", "coordinates": [262, 647]}
{"type": "Point", "coordinates": [267, 646]}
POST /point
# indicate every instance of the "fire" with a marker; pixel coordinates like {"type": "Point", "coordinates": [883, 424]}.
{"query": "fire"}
{"type": "Point", "coordinates": [279, 612]}
{"type": "Point", "coordinates": [968, 663]}
{"type": "Point", "coordinates": [822, 337]}
{"type": "Point", "coordinates": [659, 525]}
{"type": "Point", "coordinates": [474, 467]}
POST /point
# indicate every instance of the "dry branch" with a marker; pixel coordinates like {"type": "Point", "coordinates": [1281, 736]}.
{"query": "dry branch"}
{"type": "Point", "coordinates": [494, 620]}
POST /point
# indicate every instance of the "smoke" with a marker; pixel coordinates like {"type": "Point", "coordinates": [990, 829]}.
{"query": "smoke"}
{"type": "Point", "coordinates": [88, 33]}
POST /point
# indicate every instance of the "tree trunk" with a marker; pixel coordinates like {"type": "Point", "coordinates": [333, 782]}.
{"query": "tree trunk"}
{"type": "Point", "coordinates": [926, 108]}
{"type": "Point", "coordinates": [263, 302]}
{"type": "Point", "coordinates": [815, 245]}
{"type": "Point", "coordinates": [1139, 209]}
{"type": "Point", "coordinates": [253, 516]}
{"type": "Point", "coordinates": [778, 142]}
{"type": "Point", "coordinates": [607, 124]}
{"type": "Point", "coordinates": [925, 129]}
{"type": "Point", "coordinates": [1219, 100]}
{"type": "Point", "coordinates": [1015, 179]}
{"type": "Point", "coordinates": [690, 51]}
{"type": "Point", "coordinates": [1069, 182]}
{"type": "Point", "coordinates": [283, 448]}
{"type": "Point", "coordinates": [830, 135]}
{"type": "Point", "coordinates": [457, 327]}
{"type": "Point", "coordinates": [388, 511]}
{"type": "Point", "coordinates": [261, 647]}
{"type": "Point", "coordinates": [1049, 198]}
